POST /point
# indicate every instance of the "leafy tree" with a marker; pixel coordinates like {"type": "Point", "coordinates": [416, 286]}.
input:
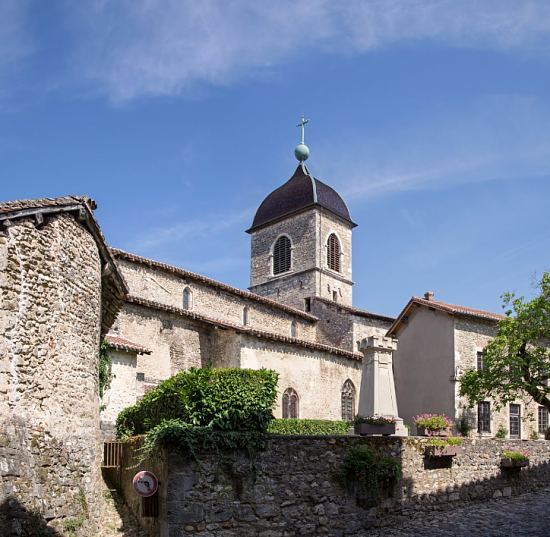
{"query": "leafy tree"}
{"type": "Point", "coordinates": [517, 360]}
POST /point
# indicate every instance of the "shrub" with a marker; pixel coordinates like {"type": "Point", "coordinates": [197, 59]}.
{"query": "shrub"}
{"type": "Point", "coordinates": [221, 399]}
{"type": "Point", "coordinates": [515, 455]}
{"type": "Point", "coordinates": [464, 426]}
{"type": "Point", "coordinates": [373, 420]}
{"type": "Point", "coordinates": [534, 435]}
{"type": "Point", "coordinates": [308, 427]}
{"type": "Point", "coordinates": [502, 432]}
{"type": "Point", "coordinates": [450, 441]}
{"type": "Point", "coordinates": [433, 422]}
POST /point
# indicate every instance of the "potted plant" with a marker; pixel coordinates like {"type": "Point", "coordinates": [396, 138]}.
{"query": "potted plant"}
{"type": "Point", "coordinates": [438, 447]}
{"type": "Point", "coordinates": [514, 459]}
{"type": "Point", "coordinates": [369, 425]}
{"type": "Point", "coordinates": [433, 425]}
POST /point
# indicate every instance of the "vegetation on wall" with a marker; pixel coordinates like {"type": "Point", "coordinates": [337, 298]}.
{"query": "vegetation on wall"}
{"type": "Point", "coordinates": [308, 427]}
{"type": "Point", "coordinates": [517, 360]}
{"type": "Point", "coordinates": [204, 408]}
{"type": "Point", "coordinates": [105, 369]}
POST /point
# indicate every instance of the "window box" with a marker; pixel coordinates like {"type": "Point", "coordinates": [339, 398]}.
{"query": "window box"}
{"type": "Point", "coordinates": [441, 451]}
{"type": "Point", "coordinates": [512, 463]}
{"type": "Point", "coordinates": [424, 431]}
{"type": "Point", "coordinates": [368, 429]}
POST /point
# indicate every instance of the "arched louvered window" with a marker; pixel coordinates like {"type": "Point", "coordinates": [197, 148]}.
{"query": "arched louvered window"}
{"type": "Point", "coordinates": [282, 252]}
{"type": "Point", "coordinates": [348, 401]}
{"type": "Point", "coordinates": [187, 302]}
{"type": "Point", "coordinates": [290, 403]}
{"type": "Point", "coordinates": [333, 252]}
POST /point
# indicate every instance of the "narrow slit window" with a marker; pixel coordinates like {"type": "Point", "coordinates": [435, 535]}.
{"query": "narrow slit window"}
{"type": "Point", "coordinates": [333, 253]}
{"type": "Point", "coordinates": [187, 302]}
{"type": "Point", "coordinates": [245, 316]}
{"type": "Point", "coordinates": [282, 252]}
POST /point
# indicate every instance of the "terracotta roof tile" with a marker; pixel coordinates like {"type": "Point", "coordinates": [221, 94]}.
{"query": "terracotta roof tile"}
{"type": "Point", "coordinates": [209, 281]}
{"type": "Point", "coordinates": [243, 329]}
{"type": "Point", "coordinates": [122, 344]}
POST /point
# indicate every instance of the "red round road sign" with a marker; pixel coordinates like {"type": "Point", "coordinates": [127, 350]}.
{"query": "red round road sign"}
{"type": "Point", "coordinates": [145, 483]}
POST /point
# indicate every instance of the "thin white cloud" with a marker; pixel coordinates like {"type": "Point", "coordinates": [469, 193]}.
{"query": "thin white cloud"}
{"type": "Point", "coordinates": [136, 48]}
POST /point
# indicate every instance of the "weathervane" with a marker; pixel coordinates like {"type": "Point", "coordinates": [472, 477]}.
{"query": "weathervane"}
{"type": "Point", "coordinates": [302, 150]}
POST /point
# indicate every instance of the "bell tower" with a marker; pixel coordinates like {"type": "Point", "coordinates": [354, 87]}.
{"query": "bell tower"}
{"type": "Point", "coordinates": [301, 241]}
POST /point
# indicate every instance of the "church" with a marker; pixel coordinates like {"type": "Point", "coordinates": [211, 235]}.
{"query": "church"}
{"type": "Point", "coordinates": [297, 317]}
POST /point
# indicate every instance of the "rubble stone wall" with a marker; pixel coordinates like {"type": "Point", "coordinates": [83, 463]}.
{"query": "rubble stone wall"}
{"type": "Point", "coordinates": [50, 314]}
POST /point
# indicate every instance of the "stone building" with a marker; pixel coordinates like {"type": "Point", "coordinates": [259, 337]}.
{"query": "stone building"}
{"type": "Point", "coordinates": [437, 343]}
{"type": "Point", "coordinates": [297, 318]}
{"type": "Point", "coordinates": [60, 289]}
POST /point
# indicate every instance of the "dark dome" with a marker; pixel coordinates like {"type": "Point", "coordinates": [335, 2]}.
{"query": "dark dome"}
{"type": "Point", "coordinates": [302, 190]}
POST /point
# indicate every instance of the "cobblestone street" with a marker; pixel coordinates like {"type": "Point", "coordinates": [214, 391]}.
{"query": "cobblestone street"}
{"type": "Point", "coordinates": [527, 515]}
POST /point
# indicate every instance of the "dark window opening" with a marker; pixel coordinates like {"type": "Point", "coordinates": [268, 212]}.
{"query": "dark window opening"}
{"type": "Point", "coordinates": [335, 296]}
{"type": "Point", "coordinates": [484, 417]}
{"type": "Point", "coordinates": [307, 304]}
{"type": "Point", "coordinates": [515, 421]}
{"type": "Point", "coordinates": [282, 255]}
{"type": "Point", "coordinates": [348, 401]}
{"type": "Point", "coordinates": [140, 377]}
{"type": "Point", "coordinates": [290, 404]}
{"type": "Point", "coordinates": [333, 253]}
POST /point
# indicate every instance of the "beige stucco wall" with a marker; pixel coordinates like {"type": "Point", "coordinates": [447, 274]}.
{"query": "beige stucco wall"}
{"type": "Point", "coordinates": [424, 365]}
{"type": "Point", "coordinates": [167, 288]}
{"type": "Point", "coordinates": [317, 377]}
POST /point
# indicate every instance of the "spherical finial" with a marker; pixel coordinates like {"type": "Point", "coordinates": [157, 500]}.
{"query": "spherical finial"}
{"type": "Point", "coordinates": [301, 152]}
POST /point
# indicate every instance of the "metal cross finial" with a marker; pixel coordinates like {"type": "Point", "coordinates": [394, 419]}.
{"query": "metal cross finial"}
{"type": "Point", "coordinates": [302, 124]}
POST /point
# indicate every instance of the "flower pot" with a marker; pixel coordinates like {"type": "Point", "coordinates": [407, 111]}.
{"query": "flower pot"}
{"type": "Point", "coordinates": [366, 429]}
{"type": "Point", "coordinates": [423, 431]}
{"type": "Point", "coordinates": [441, 451]}
{"type": "Point", "coordinates": [512, 463]}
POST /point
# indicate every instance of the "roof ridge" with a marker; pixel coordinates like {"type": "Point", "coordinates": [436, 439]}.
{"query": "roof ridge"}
{"type": "Point", "coordinates": [458, 307]}
{"type": "Point", "coordinates": [353, 309]}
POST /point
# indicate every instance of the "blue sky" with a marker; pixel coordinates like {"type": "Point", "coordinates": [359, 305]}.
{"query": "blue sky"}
{"type": "Point", "coordinates": [431, 118]}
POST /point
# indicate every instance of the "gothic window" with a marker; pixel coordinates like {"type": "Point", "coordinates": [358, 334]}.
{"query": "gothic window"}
{"type": "Point", "coordinates": [333, 252]}
{"type": "Point", "coordinates": [187, 302]}
{"type": "Point", "coordinates": [245, 316]}
{"type": "Point", "coordinates": [290, 403]}
{"type": "Point", "coordinates": [282, 252]}
{"type": "Point", "coordinates": [348, 401]}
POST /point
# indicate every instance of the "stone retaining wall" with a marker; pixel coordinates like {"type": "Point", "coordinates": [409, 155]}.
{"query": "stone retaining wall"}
{"type": "Point", "coordinates": [294, 487]}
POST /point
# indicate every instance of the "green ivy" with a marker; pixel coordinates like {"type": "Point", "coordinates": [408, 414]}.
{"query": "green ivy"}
{"type": "Point", "coordinates": [308, 427]}
{"type": "Point", "coordinates": [105, 368]}
{"type": "Point", "coordinates": [216, 399]}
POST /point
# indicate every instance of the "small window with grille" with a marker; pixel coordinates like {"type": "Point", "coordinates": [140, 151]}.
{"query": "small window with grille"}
{"type": "Point", "coordinates": [484, 417]}
{"type": "Point", "coordinates": [290, 403]}
{"type": "Point", "coordinates": [515, 421]}
{"type": "Point", "coordinates": [333, 253]}
{"type": "Point", "coordinates": [348, 401]}
{"type": "Point", "coordinates": [480, 362]}
{"type": "Point", "coordinates": [543, 419]}
{"type": "Point", "coordinates": [282, 252]}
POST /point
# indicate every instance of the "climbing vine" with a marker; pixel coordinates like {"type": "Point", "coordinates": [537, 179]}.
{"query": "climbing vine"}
{"type": "Point", "coordinates": [105, 368]}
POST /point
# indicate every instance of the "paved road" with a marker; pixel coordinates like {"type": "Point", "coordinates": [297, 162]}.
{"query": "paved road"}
{"type": "Point", "coordinates": [527, 515]}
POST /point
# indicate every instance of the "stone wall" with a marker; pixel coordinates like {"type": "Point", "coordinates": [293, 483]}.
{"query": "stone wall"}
{"type": "Point", "coordinates": [294, 487]}
{"type": "Point", "coordinates": [50, 314]}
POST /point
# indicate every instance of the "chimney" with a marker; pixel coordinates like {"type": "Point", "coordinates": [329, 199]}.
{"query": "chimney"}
{"type": "Point", "coordinates": [429, 295]}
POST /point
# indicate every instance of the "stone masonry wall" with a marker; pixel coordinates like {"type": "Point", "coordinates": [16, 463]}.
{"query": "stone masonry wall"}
{"type": "Point", "coordinates": [470, 337]}
{"type": "Point", "coordinates": [294, 487]}
{"type": "Point", "coordinates": [166, 288]}
{"type": "Point", "coordinates": [50, 313]}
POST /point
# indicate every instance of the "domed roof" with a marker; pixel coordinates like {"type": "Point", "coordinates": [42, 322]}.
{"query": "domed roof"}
{"type": "Point", "coordinates": [301, 191]}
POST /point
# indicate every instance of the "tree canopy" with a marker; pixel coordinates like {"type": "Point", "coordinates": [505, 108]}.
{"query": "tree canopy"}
{"type": "Point", "coordinates": [517, 361]}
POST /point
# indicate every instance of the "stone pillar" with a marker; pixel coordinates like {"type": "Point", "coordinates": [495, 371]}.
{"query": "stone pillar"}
{"type": "Point", "coordinates": [377, 397]}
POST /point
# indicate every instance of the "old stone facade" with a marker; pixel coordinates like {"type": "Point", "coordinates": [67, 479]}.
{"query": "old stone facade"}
{"type": "Point", "coordinates": [60, 289]}
{"type": "Point", "coordinates": [437, 343]}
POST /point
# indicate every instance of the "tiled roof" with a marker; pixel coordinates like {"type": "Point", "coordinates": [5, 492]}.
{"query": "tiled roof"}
{"type": "Point", "coordinates": [214, 283]}
{"type": "Point", "coordinates": [301, 191]}
{"type": "Point", "coordinates": [355, 311]}
{"type": "Point", "coordinates": [261, 334]}
{"type": "Point", "coordinates": [452, 309]}
{"type": "Point", "coordinates": [122, 344]}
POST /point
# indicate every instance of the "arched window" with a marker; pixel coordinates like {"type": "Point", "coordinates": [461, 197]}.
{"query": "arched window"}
{"type": "Point", "coordinates": [348, 401]}
{"type": "Point", "coordinates": [282, 255]}
{"type": "Point", "coordinates": [333, 252]}
{"type": "Point", "coordinates": [290, 403]}
{"type": "Point", "coordinates": [245, 315]}
{"type": "Point", "coordinates": [187, 302]}
{"type": "Point", "coordinates": [293, 329]}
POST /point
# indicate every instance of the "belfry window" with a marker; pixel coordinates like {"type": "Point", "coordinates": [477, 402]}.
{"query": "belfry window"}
{"type": "Point", "coordinates": [290, 403]}
{"type": "Point", "coordinates": [348, 401]}
{"type": "Point", "coordinates": [187, 301]}
{"type": "Point", "coordinates": [282, 252]}
{"type": "Point", "coordinates": [333, 252]}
